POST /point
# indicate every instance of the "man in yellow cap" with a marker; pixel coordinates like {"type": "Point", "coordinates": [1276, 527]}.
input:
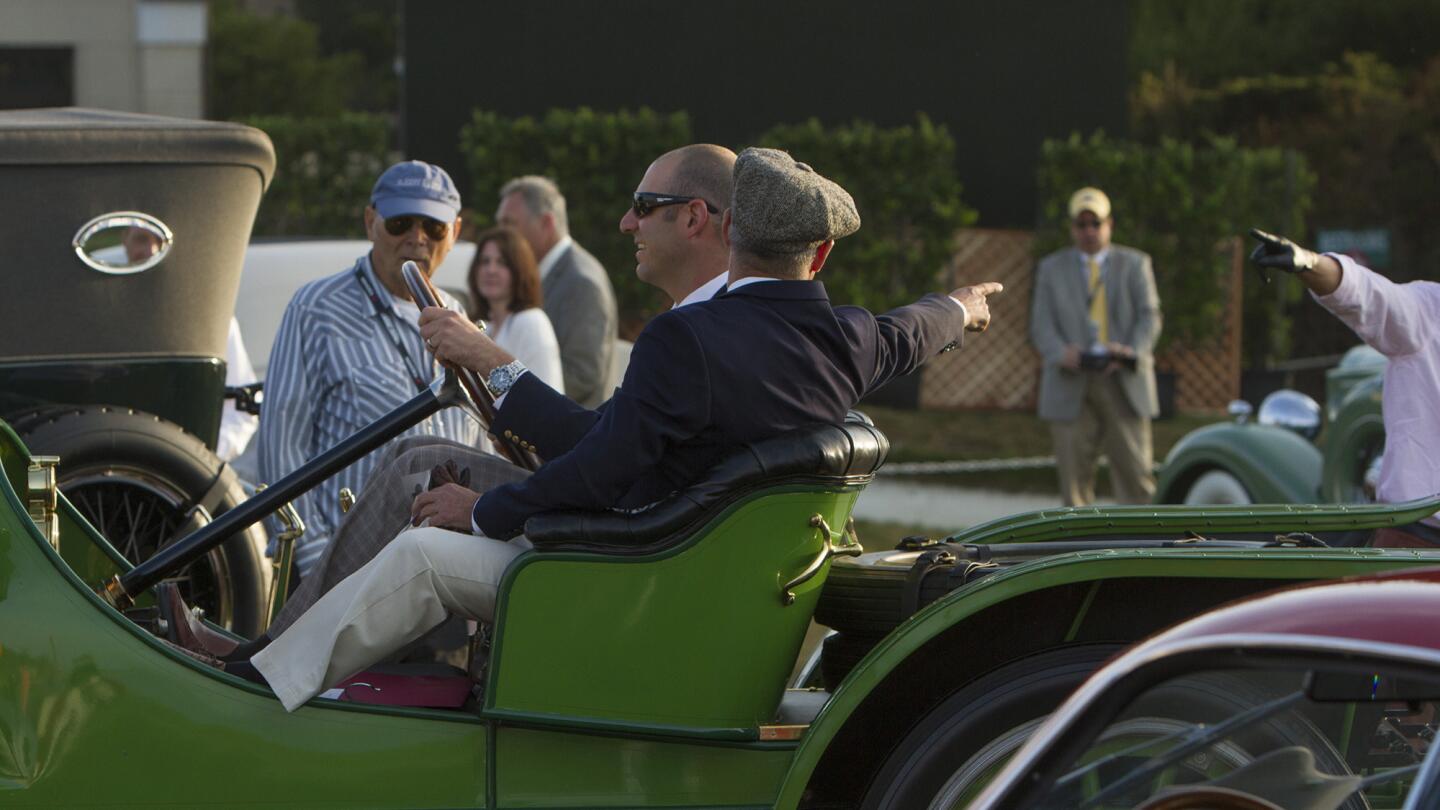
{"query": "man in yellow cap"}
{"type": "Point", "coordinates": [1094, 320]}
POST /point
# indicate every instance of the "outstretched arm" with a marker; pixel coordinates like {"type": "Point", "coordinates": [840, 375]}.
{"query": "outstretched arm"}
{"type": "Point", "coordinates": [1392, 318]}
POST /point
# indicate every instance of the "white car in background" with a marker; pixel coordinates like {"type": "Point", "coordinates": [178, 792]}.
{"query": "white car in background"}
{"type": "Point", "coordinates": [274, 270]}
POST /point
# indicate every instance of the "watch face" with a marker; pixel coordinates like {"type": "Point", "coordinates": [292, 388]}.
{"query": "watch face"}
{"type": "Point", "coordinates": [505, 376]}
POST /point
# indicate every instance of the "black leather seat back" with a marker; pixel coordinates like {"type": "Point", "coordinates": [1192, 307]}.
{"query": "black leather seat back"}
{"type": "Point", "coordinates": [840, 455]}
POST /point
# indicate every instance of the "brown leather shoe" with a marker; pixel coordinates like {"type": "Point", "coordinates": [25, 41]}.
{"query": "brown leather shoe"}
{"type": "Point", "coordinates": [183, 629]}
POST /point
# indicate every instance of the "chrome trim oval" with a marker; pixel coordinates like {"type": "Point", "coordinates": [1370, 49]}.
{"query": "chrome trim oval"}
{"type": "Point", "coordinates": [122, 219]}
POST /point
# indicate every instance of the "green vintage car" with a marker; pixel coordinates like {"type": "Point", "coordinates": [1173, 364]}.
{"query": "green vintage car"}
{"type": "Point", "coordinates": [651, 674]}
{"type": "Point", "coordinates": [1276, 457]}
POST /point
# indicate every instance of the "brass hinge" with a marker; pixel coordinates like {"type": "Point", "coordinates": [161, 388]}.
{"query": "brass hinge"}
{"type": "Point", "coordinates": [42, 497]}
{"type": "Point", "coordinates": [782, 732]}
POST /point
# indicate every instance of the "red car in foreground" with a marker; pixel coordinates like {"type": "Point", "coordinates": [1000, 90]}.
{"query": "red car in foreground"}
{"type": "Point", "coordinates": [1311, 698]}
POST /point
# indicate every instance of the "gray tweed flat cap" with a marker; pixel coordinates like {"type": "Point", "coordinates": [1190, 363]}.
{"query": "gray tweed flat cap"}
{"type": "Point", "coordinates": [782, 206]}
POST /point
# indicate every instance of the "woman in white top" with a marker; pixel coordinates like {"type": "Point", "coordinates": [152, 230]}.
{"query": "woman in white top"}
{"type": "Point", "coordinates": [505, 291]}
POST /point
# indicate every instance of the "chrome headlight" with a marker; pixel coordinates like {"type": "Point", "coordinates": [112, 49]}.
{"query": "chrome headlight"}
{"type": "Point", "coordinates": [1293, 411]}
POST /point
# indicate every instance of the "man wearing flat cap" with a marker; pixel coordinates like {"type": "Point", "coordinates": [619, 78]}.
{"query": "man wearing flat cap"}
{"type": "Point", "coordinates": [1094, 320]}
{"type": "Point", "coordinates": [767, 355]}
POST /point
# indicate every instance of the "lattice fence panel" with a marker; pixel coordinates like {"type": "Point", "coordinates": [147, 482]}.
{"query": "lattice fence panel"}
{"type": "Point", "coordinates": [1207, 377]}
{"type": "Point", "coordinates": [999, 369]}
{"type": "Point", "coordinates": [996, 369]}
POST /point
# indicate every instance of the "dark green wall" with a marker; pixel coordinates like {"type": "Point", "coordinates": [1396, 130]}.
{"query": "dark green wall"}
{"type": "Point", "coordinates": [1002, 75]}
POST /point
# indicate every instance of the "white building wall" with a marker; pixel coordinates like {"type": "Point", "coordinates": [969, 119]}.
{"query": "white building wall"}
{"type": "Point", "coordinates": [132, 55]}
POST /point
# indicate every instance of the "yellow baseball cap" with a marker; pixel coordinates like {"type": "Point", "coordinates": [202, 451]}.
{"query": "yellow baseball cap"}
{"type": "Point", "coordinates": [1092, 200]}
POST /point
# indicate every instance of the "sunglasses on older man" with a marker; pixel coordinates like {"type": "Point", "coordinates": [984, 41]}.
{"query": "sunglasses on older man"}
{"type": "Point", "coordinates": [434, 228]}
{"type": "Point", "coordinates": [647, 201]}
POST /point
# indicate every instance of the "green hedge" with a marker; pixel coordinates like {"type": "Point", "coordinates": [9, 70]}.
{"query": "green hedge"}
{"type": "Point", "coordinates": [1179, 202]}
{"type": "Point", "coordinates": [595, 157]}
{"type": "Point", "coordinates": [903, 180]}
{"type": "Point", "coordinates": [325, 169]}
{"type": "Point", "coordinates": [904, 184]}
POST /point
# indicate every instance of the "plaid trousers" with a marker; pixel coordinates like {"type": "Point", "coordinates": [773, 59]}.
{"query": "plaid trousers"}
{"type": "Point", "coordinates": [382, 511]}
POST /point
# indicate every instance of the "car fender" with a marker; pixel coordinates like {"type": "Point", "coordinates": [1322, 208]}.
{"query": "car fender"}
{"type": "Point", "coordinates": [1274, 464]}
{"type": "Point", "coordinates": [1357, 428]}
{"type": "Point", "coordinates": [1016, 583]}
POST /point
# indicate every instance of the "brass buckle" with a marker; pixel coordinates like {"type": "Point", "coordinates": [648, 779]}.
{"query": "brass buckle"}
{"type": "Point", "coordinates": [42, 498]}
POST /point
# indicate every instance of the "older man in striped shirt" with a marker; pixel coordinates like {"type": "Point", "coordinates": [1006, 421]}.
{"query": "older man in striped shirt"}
{"type": "Point", "coordinates": [349, 350]}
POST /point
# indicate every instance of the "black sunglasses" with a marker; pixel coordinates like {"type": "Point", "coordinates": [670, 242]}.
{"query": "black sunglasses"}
{"type": "Point", "coordinates": [434, 228]}
{"type": "Point", "coordinates": [647, 201]}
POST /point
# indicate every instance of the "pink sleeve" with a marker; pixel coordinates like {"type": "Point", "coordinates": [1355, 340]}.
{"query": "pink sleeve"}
{"type": "Point", "coordinates": [1392, 318]}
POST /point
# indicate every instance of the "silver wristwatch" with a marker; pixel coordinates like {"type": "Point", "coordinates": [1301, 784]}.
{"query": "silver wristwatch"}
{"type": "Point", "coordinates": [503, 377]}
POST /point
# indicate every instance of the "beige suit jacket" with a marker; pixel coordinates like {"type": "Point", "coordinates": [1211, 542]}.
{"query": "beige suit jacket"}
{"type": "Point", "coordinates": [1060, 315]}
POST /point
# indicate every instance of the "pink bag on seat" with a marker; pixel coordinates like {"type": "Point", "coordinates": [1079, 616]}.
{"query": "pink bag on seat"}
{"type": "Point", "coordinates": [388, 689]}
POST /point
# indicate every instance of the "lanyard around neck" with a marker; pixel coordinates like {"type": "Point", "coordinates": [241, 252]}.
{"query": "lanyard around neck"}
{"type": "Point", "coordinates": [384, 314]}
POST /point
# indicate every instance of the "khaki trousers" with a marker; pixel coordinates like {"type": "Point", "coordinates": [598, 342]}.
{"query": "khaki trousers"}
{"type": "Point", "coordinates": [390, 601]}
{"type": "Point", "coordinates": [1107, 422]}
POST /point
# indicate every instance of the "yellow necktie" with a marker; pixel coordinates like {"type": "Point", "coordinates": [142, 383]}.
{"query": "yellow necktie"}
{"type": "Point", "coordinates": [1097, 304]}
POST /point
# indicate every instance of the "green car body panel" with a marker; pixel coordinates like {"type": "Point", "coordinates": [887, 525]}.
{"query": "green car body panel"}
{"type": "Point", "coordinates": [615, 681]}
{"type": "Point", "coordinates": [694, 640]}
{"type": "Point", "coordinates": [1356, 429]}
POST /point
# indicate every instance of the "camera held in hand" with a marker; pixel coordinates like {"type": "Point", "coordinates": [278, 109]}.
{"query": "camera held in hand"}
{"type": "Point", "coordinates": [1098, 358]}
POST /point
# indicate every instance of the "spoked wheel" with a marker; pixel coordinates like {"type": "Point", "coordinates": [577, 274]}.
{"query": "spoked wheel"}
{"type": "Point", "coordinates": [139, 513]}
{"type": "Point", "coordinates": [143, 482]}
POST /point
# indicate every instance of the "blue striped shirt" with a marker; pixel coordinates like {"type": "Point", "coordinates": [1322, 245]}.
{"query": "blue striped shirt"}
{"type": "Point", "coordinates": [334, 369]}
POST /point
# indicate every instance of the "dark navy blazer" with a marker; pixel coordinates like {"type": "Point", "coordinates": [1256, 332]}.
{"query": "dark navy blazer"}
{"type": "Point", "coordinates": [704, 379]}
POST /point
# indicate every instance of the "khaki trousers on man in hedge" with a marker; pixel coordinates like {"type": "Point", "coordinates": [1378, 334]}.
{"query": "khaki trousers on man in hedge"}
{"type": "Point", "coordinates": [1107, 423]}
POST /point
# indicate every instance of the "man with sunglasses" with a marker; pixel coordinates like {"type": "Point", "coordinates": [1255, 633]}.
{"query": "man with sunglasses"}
{"type": "Point", "coordinates": [675, 222]}
{"type": "Point", "coordinates": [576, 293]}
{"type": "Point", "coordinates": [1094, 320]}
{"type": "Point", "coordinates": [348, 349]}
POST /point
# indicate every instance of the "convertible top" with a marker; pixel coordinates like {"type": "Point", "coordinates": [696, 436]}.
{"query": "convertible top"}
{"type": "Point", "coordinates": [61, 169]}
{"type": "Point", "coordinates": [71, 135]}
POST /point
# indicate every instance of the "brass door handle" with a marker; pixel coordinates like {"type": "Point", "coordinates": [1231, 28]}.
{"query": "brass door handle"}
{"type": "Point", "coordinates": [830, 549]}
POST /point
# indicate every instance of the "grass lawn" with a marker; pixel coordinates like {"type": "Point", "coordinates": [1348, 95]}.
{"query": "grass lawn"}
{"type": "Point", "coordinates": [972, 435]}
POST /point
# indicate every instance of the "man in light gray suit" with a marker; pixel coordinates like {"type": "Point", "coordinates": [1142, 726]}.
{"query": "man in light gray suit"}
{"type": "Point", "coordinates": [578, 297]}
{"type": "Point", "coordinates": [1094, 320]}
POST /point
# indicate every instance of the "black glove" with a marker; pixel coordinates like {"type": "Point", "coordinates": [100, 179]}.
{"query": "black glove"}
{"type": "Point", "coordinates": [1281, 254]}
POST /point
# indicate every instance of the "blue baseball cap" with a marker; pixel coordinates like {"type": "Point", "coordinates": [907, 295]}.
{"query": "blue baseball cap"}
{"type": "Point", "coordinates": [415, 187]}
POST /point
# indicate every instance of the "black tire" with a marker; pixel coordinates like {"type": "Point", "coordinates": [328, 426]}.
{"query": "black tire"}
{"type": "Point", "coordinates": [141, 482]}
{"type": "Point", "coordinates": [960, 745]}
